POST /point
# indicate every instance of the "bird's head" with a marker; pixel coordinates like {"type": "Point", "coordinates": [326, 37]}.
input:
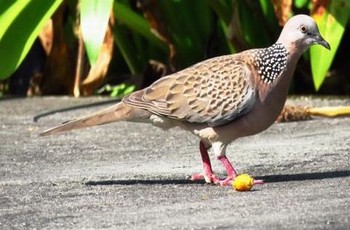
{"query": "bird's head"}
{"type": "Point", "coordinates": [301, 32]}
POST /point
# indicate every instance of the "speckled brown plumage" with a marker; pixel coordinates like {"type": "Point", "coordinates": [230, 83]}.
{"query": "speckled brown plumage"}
{"type": "Point", "coordinates": [215, 92]}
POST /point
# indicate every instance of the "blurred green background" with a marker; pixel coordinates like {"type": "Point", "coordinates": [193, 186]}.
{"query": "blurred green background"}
{"type": "Point", "coordinates": [112, 47]}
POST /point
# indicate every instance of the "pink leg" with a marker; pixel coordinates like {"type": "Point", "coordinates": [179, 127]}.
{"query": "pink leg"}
{"type": "Point", "coordinates": [231, 172]}
{"type": "Point", "coordinates": [207, 174]}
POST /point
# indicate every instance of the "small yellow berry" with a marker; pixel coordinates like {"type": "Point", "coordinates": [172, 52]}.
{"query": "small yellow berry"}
{"type": "Point", "coordinates": [243, 182]}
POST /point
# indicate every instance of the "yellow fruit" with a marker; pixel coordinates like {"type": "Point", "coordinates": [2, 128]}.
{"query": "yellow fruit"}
{"type": "Point", "coordinates": [243, 182]}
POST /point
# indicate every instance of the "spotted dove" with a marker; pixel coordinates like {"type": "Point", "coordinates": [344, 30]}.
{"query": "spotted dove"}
{"type": "Point", "coordinates": [219, 99]}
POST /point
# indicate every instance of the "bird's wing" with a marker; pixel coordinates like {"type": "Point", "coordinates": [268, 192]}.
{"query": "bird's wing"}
{"type": "Point", "coordinates": [215, 92]}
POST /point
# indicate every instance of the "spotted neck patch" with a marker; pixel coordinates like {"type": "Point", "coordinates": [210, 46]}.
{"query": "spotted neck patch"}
{"type": "Point", "coordinates": [271, 62]}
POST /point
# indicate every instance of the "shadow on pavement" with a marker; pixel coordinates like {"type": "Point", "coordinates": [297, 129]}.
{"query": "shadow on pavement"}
{"type": "Point", "coordinates": [84, 106]}
{"type": "Point", "coordinates": [143, 182]}
{"type": "Point", "coordinates": [268, 179]}
{"type": "Point", "coordinates": [305, 176]}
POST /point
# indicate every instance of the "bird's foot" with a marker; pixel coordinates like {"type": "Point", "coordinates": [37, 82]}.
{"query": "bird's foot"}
{"type": "Point", "coordinates": [212, 179]}
{"type": "Point", "coordinates": [208, 174]}
{"type": "Point", "coordinates": [229, 180]}
{"type": "Point", "coordinates": [258, 182]}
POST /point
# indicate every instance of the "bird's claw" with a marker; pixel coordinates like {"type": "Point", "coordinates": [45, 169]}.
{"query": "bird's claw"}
{"type": "Point", "coordinates": [258, 182]}
{"type": "Point", "coordinates": [212, 179]}
{"type": "Point", "coordinates": [228, 181]}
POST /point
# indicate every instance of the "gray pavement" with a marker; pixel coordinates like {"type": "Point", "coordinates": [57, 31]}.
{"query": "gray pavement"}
{"type": "Point", "coordinates": [134, 176]}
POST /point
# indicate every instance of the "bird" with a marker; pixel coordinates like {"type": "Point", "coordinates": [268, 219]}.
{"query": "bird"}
{"type": "Point", "coordinates": [219, 99]}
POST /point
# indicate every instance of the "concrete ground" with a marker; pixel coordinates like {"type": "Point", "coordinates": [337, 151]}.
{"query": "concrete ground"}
{"type": "Point", "coordinates": [134, 176]}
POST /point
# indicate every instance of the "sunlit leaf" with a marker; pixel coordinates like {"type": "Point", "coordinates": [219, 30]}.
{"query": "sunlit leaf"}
{"type": "Point", "coordinates": [98, 72]}
{"type": "Point", "coordinates": [117, 91]}
{"type": "Point", "coordinates": [94, 20]}
{"type": "Point", "coordinates": [21, 21]}
{"type": "Point", "coordinates": [331, 22]}
{"type": "Point", "coordinates": [301, 3]}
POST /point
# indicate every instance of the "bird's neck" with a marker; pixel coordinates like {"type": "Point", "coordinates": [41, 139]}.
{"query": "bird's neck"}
{"type": "Point", "coordinates": [271, 62]}
{"type": "Point", "coordinates": [293, 55]}
{"type": "Point", "coordinates": [294, 52]}
{"type": "Point", "coordinates": [282, 67]}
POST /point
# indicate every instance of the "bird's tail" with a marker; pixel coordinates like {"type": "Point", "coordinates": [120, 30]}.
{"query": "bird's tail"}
{"type": "Point", "coordinates": [114, 113]}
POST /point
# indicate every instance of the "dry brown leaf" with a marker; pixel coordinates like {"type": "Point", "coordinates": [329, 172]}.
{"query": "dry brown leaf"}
{"type": "Point", "coordinates": [46, 40]}
{"type": "Point", "coordinates": [293, 113]}
{"type": "Point", "coordinates": [46, 37]}
{"type": "Point", "coordinates": [98, 72]}
{"type": "Point", "coordinates": [235, 34]}
{"type": "Point", "coordinates": [283, 10]}
{"type": "Point", "coordinates": [319, 7]}
{"type": "Point", "coordinates": [59, 72]}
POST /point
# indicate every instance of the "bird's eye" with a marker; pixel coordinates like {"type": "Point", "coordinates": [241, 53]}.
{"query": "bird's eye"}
{"type": "Point", "coordinates": [303, 29]}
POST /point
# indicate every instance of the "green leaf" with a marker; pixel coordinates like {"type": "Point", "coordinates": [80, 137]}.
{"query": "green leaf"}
{"type": "Point", "coordinates": [21, 21]}
{"type": "Point", "coordinates": [127, 49]}
{"type": "Point", "coordinates": [331, 25]}
{"type": "Point", "coordinates": [268, 12]}
{"type": "Point", "coordinates": [221, 9]}
{"type": "Point", "coordinates": [300, 3]}
{"type": "Point", "coordinates": [117, 91]}
{"type": "Point", "coordinates": [136, 23]}
{"type": "Point", "coordinates": [121, 90]}
{"type": "Point", "coordinates": [256, 36]}
{"type": "Point", "coordinates": [94, 15]}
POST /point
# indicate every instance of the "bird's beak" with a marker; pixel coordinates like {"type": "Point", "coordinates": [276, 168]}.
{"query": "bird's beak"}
{"type": "Point", "coordinates": [319, 40]}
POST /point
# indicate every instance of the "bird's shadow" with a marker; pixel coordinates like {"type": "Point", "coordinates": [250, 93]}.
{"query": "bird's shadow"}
{"type": "Point", "coordinates": [305, 176]}
{"type": "Point", "coordinates": [76, 107]}
{"type": "Point", "coordinates": [267, 179]}
{"type": "Point", "coordinates": [143, 182]}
